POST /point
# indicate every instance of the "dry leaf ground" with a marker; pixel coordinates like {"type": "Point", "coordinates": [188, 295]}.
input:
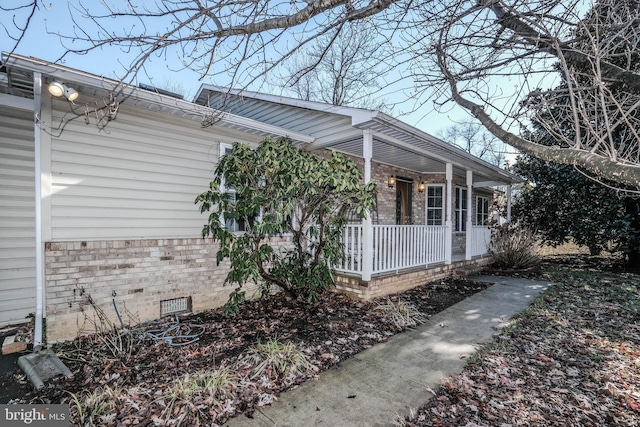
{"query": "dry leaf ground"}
{"type": "Point", "coordinates": [571, 359]}
{"type": "Point", "coordinates": [239, 363]}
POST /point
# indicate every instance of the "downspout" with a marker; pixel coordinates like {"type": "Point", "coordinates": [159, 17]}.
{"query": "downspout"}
{"type": "Point", "coordinates": [37, 99]}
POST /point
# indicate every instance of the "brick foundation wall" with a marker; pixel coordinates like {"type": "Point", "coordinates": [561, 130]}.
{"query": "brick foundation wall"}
{"type": "Point", "coordinates": [392, 284]}
{"type": "Point", "coordinates": [459, 243]}
{"type": "Point", "coordinates": [141, 272]}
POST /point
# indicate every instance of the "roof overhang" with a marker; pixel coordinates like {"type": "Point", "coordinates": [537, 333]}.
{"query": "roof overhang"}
{"type": "Point", "coordinates": [395, 142]}
{"type": "Point", "coordinates": [21, 69]}
{"type": "Point", "coordinates": [398, 133]}
{"type": "Point", "coordinates": [357, 115]}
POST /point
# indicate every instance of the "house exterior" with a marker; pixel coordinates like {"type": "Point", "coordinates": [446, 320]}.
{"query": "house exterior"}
{"type": "Point", "coordinates": [97, 198]}
{"type": "Point", "coordinates": [97, 195]}
{"type": "Point", "coordinates": [433, 198]}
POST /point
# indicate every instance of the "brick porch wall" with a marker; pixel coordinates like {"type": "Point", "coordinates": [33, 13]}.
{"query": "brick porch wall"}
{"type": "Point", "coordinates": [141, 272]}
{"type": "Point", "coordinates": [459, 243]}
{"type": "Point", "coordinates": [389, 284]}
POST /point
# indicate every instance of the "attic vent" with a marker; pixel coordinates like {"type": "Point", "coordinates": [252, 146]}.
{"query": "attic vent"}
{"type": "Point", "coordinates": [175, 306]}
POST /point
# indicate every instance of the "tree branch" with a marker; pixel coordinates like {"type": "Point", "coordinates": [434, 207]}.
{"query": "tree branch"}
{"type": "Point", "coordinates": [625, 174]}
{"type": "Point", "coordinates": [577, 58]}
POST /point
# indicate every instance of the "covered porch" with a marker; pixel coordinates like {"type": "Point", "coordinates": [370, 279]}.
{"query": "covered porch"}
{"type": "Point", "coordinates": [433, 198]}
{"type": "Point", "coordinates": [434, 203]}
{"type": "Point", "coordinates": [374, 249]}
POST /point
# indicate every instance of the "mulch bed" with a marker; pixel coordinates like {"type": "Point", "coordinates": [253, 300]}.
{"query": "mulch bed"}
{"type": "Point", "coordinates": [138, 381]}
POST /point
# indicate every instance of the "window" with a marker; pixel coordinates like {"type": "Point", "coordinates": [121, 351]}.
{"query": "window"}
{"type": "Point", "coordinates": [482, 210]}
{"type": "Point", "coordinates": [461, 209]}
{"type": "Point", "coordinates": [435, 205]}
{"type": "Point", "coordinates": [231, 224]}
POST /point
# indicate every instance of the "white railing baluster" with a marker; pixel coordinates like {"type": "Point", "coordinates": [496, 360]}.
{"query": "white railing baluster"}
{"type": "Point", "coordinates": [396, 247]}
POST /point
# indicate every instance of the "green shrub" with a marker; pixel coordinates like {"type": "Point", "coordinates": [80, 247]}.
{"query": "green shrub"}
{"type": "Point", "coordinates": [279, 189]}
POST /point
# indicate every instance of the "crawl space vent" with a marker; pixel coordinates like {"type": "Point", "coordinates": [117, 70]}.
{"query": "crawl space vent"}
{"type": "Point", "coordinates": [175, 306]}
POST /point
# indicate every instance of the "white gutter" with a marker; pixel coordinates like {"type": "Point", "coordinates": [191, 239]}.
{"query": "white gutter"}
{"type": "Point", "coordinates": [37, 100]}
{"type": "Point", "coordinates": [72, 76]}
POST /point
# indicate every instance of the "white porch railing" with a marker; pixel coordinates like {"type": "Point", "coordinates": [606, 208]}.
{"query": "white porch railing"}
{"type": "Point", "coordinates": [394, 247]}
{"type": "Point", "coordinates": [480, 239]}
{"type": "Point", "coordinates": [352, 240]}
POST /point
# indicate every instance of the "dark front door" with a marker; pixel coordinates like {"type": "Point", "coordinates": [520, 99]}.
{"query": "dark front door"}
{"type": "Point", "coordinates": [404, 190]}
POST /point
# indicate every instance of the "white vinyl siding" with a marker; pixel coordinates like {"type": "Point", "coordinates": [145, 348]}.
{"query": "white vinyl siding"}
{"type": "Point", "coordinates": [137, 178]}
{"type": "Point", "coordinates": [17, 216]}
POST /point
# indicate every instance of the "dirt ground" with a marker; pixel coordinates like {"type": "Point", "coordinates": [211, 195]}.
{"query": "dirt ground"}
{"type": "Point", "coordinates": [326, 332]}
{"type": "Point", "coordinates": [130, 379]}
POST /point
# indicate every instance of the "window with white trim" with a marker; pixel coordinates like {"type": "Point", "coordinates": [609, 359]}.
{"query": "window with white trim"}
{"type": "Point", "coordinates": [482, 210]}
{"type": "Point", "coordinates": [461, 209]}
{"type": "Point", "coordinates": [435, 205]}
{"type": "Point", "coordinates": [231, 224]}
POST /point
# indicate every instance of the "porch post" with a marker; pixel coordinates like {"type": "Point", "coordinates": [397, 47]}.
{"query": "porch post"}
{"type": "Point", "coordinates": [367, 230]}
{"type": "Point", "coordinates": [469, 235]}
{"type": "Point", "coordinates": [509, 203]}
{"type": "Point", "coordinates": [448, 237]}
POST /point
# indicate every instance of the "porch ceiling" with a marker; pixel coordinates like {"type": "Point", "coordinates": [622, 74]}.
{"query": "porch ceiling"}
{"type": "Point", "coordinates": [422, 153]}
{"type": "Point", "coordinates": [341, 129]}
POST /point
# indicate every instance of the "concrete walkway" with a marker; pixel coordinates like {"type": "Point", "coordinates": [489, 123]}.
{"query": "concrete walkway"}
{"type": "Point", "coordinates": [390, 379]}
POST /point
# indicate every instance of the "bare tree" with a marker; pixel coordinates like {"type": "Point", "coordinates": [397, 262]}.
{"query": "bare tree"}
{"type": "Point", "coordinates": [475, 139]}
{"type": "Point", "coordinates": [494, 58]}
{"type": "Point", "coordinates": [239, 40]}
{"type": "Point", "coordinates": [17, 21]}
{"type": "Point", "coordinates": [592, 110]}
{"type": "Point", "coordinates": [340, 68]}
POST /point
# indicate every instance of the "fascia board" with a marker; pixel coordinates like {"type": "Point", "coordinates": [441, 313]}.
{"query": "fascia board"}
{"type": "Point", "coordinates": [71, 76]}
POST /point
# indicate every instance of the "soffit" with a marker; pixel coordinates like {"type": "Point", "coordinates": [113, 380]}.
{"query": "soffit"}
{"type": "Point", "coordinates": [18, 80]}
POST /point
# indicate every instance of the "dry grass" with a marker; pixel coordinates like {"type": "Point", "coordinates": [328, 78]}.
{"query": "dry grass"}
{"type": "Point", "coordinates": [569, 248]}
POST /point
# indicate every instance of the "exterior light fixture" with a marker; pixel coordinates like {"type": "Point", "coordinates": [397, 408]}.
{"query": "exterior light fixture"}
{"type": "Point", "coordinates": [71, 94]}
{"type": "Point", "coordinates": [422, 186]}
{"type": "Point", "coordinates": [58, 89]}
{"type": "Point", "coordinates": [391, 181]}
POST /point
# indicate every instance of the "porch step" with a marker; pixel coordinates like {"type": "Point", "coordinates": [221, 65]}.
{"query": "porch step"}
{"type": "Point", "coordinates": [469, 270]}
